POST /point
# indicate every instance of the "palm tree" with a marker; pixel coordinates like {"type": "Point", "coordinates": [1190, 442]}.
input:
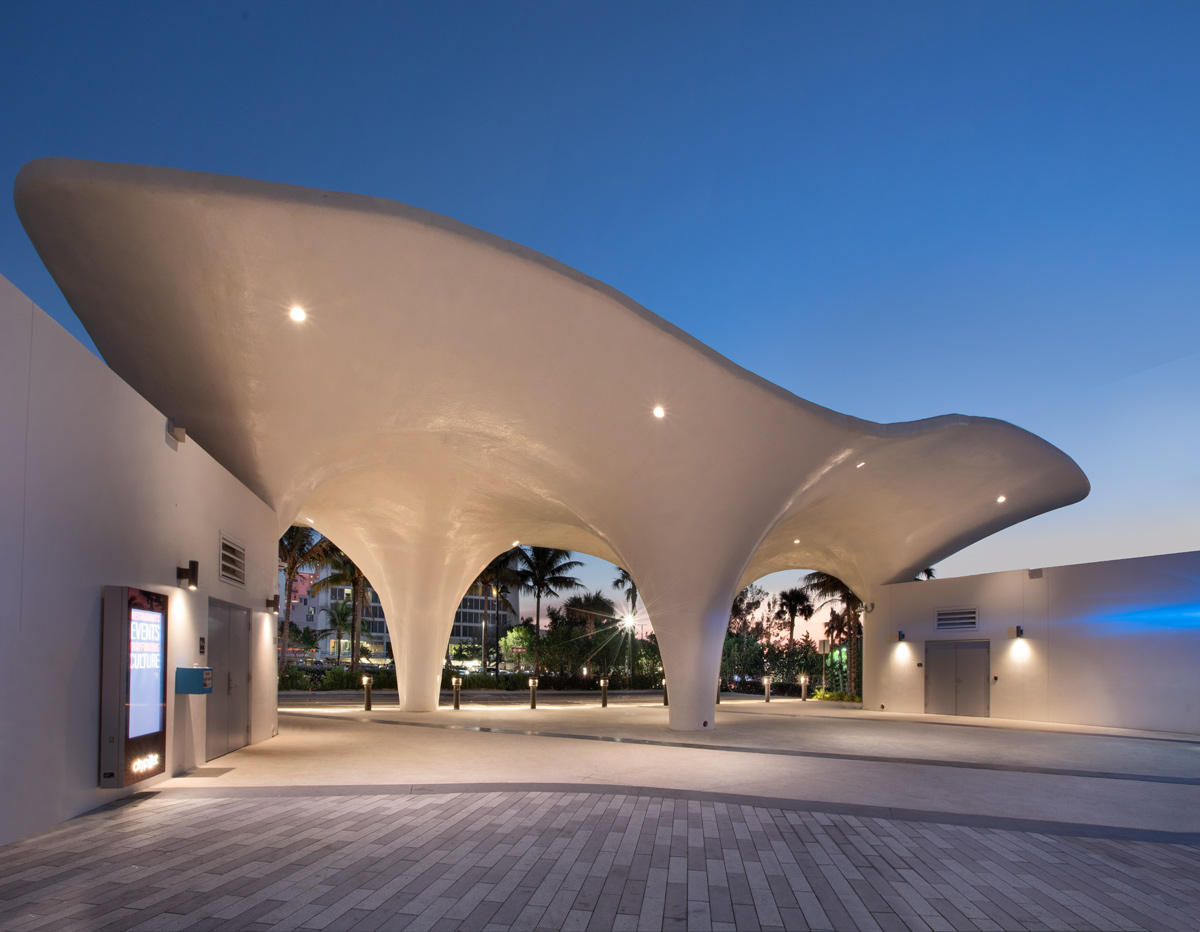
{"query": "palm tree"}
{"type": "Point", "coordinates": [745, 604]}
{"type": "Point", "coordinates": [624, 583]}
{"type": "Point", "coordinates": [496, 576]}
{"type": "Point", "coordinates": [835, 633]}
{"type": "Point", "coordinates": [587, 608]}
{"type": "Point", "coordinates": [543, 572]}
{"type": "Point", "coordinates": [926, 573]}
{"type": "Point", "coordinates": [793, 603]}
{"type": "Point", "coordinates": [345, 572]}
{"type": "Point", "coordinates": [829, 588]}
{"type": "Point", "coordinates": [341, 621]}
{"type": "Point", "coordinates": [298, 547]}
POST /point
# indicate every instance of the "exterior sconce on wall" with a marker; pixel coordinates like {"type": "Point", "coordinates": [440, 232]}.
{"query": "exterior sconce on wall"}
{"type": "Point", "coordinates": [273, 603]}
{"type": "Point", "coordinates": [176, 432]}
{"type": "Point", "coordinates": [188, 575]}
{"type": "Point", "coordinates": [1020, 632]}
{"type": "Point", "coordinates": [899, 635]}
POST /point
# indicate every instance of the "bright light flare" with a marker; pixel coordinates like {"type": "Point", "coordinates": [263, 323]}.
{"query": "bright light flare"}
{"type": "Point", "coordinates": [1001, 499]}
{"type": "Point", "coordinates": [659, 411]}
{"type": "Point", "coordinates": [297, 313]}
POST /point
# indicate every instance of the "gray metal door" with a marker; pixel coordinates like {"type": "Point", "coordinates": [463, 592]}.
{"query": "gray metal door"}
{"type": "Point", "coordinates": [957, 677]}
{"type": "Point", "coordinates": [228, 707]}
{"type": "Point", "coordinates": [974, 669]}
{"type": "Point", "coordinates": [941, 671]}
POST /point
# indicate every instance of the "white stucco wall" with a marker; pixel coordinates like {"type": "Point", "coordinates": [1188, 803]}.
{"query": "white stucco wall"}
{"type": "Point", "coordinates": [93, 493]}
{"type": "Point", "coordinates": [1114, 643]}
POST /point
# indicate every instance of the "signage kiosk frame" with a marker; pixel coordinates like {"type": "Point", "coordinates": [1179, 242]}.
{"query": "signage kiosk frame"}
{"type": "Point", "coordinates": [133, 685]}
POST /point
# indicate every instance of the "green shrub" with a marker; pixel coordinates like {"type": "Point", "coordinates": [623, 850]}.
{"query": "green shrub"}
{"type": "Point", "coordinates": [340, 678]}
{"type": "Point", "coordinates": [384, 679]}
{"type": "Point", "coordinates": [824, 695]}
{"type": "Point", "coordinates": [293, 678]}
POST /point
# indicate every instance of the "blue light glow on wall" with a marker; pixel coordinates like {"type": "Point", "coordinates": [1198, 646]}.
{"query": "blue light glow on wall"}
{"type": "Point", "coordinates": [1142, 619]}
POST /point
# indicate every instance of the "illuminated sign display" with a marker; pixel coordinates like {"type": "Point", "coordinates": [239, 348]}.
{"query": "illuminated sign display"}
{"type": "Point", "coordinates": [144, 764]}
{"type": "Point", "coordinates": [146, 663]}
{"type": "Point", "coordinates": [133, 686]}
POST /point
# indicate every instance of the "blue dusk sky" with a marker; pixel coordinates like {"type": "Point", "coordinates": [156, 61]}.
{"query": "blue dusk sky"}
{"type": "Point", "coordinates": [897, 210]}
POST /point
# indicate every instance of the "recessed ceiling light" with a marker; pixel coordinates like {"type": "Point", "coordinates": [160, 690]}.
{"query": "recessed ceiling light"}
{"type": "Point", "coordinates": [516, 543]}
{"type": "Point", "coordinates": [796, 541]}
{"type": "Point", "coordinates": [1000, 499]}
{"type": "Point", "coordinates": [309, 520]}
{"type": "Point", "coordinates": [658, 411]}
{"type": "Point", "coordinates": [297, 313]}
{"type": "Point", "coordinates": [861, 465]}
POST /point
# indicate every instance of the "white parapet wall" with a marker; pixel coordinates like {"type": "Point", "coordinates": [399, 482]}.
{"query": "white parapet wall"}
{"type": "Point", "coordinates": [1114, 643]}
{"type": "Point", "coordinates": [94, 493]}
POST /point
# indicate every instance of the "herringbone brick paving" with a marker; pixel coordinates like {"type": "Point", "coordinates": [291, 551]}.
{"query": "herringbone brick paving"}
{"type": "Point", "coordinates": [562, 860]}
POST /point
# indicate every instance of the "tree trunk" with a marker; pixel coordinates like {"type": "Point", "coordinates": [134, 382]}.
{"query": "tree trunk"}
{"type": "Point", "coordinates": [496, 615]}
{"type": "Point", "coordinates": [537, 635]}
{"type": "Point", "coordinates": [287, 620]}
{"type": "Point", "coordinates": [852, 654]}
{"type": "Point", "coordinates": [483, 635]}
{"type": "Point", "coordinates": [356, 630]}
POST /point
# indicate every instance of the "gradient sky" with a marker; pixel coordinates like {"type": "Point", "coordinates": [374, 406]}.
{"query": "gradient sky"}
{"type": "Point", "coordinates": [894, 210]}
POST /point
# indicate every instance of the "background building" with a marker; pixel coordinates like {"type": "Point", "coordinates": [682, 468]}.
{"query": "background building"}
{"type": "Point", "coordinates": [1114, 643]}
{"type": "Point", "coordinates": [312, 610]}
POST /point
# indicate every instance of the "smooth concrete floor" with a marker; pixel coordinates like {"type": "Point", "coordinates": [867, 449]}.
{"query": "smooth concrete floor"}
{"type": "Point", "coordinates": [787, 749]}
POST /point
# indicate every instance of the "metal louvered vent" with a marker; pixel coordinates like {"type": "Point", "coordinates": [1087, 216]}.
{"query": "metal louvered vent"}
{"type": "Point", "coordinates": [957, 619]}
{"type": "Point", "coordinates": [233, 562]}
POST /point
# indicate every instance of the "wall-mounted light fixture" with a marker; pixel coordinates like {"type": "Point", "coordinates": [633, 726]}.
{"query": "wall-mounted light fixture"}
{"type": "Point", "coordinates": [899, 635]}
{"type": "Point", "coordinates": [188, 575]}
{"type": "Point", "coordinates": [1020, 631]}
{"type": "Point", "coordinates": [176, 432]}
{"type": "Point", "coordinates": [273, 603]}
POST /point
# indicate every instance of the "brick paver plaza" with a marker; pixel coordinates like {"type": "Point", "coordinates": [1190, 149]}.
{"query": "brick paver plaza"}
{"type": "Point", "coordinates": [197, 853]}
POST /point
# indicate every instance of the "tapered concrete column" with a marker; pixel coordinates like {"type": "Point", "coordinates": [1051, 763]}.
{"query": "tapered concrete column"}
{"type": "Point", "coordinates": [419, 598]}
{"type": "Point", "coordinates": [691, 660]}
{"type": "Point", "coordinates": [688, 601]}
{"type": "Point", "coordinates": [420, 575]}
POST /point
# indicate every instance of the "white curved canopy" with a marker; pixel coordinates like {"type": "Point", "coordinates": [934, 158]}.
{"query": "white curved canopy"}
{"type": "Point", "coordinates": [450, 392]}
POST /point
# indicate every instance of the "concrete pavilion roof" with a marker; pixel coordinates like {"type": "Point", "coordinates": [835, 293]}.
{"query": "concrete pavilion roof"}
{"type": "Point", "coordinates": [455, 390]}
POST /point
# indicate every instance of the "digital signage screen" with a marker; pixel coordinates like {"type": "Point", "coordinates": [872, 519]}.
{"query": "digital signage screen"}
{"type": "Point", "coordinates": [133, 686]}
{"type": "Point", "coordinates": [147, 659]}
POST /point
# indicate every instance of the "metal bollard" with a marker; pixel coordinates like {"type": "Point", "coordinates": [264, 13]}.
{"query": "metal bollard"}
{"type": "Point", "coordinates": [718, 690]}
{"type": "Point", "coordinates": [604, 692]}
{"type": "Point", "coordinates": [367, 681]}
{"type": "Point", "coordinates": [533, 692]}
{"type": "Point", "coordinates": [665, 702]}
{"type": "Point", "coordinates": [804, 689]}
{"type": "Point", "coordinates": [767, 687]}
{"type": "Point", "coordinates": [456, 682]}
